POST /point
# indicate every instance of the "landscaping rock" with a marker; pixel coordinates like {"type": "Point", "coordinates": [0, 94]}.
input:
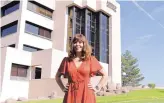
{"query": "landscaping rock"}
{"type": "Point", "coordinates": [53, 95]}
{"type": "Point", "coordinates": [118, 86]}
{"type": "Point", "coordinates": [109, 90]}
{"type": "Point", "coordinates": [22, 99]}
{"type": "Point", "coordinates": [103, 89]}
{"type": "Point", "coordinates": [11, 100]}
{"type": "Point", "coordinates": [124, 90]}
{"type": "Point", "coordinates": [118, 91]}
{"type": "Point", "coordinates": [112, 86]}
{"type": "Point", "coordinates": [101, 93]}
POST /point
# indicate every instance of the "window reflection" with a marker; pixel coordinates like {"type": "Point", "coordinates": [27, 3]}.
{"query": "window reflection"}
{"type": "Point", "coordinates": [104, 38]}
{"type": "Point", "coordinates": [9, 29]}
{"type": "Point", "coordinates": [35, 7]}
{"type": "Point", "coordinates": [30, 48]}
{"type": "Point", "coordinates": [37, 30]}
{"type": "Point", "coordinates": [9, 8]}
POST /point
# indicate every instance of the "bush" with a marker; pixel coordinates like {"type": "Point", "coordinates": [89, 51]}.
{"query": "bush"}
{"type": "Point", "coordinates": [143, 86]}
{"type": "Point", "coordinates": [151, 85]}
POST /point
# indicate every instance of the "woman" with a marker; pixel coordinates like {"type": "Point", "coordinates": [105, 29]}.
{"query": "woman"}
{"type": "Point", "coordinates": [79, 67]}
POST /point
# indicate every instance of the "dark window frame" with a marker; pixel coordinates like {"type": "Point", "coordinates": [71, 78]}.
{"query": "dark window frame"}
{"type": "Point", "coordinates": [31, 47]}
{"type": "Point", "coordinates": [42, 7]}
{"type": "Point", "coordinates": [39, 28]}
{"type": "Point", "coordinates": [18, 69]}
{"type": "Point", "coordinates": [37, 69]}
{"type": "Point", "coordinates": [9, 6]}
{"type": "Point", "coordinates": [8, 26]}
{"type": "Point", "coordinates": [12, 45]}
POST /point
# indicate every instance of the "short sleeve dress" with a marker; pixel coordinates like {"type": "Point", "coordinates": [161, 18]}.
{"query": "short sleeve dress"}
{"type": "Point", "coordinates": [78, 80]}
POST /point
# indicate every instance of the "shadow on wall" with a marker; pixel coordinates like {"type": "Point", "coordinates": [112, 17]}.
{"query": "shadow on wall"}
{"type": "Point", "coordinates": [44, 88]}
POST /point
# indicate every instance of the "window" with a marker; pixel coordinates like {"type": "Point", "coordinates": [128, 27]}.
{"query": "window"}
{"type": "Point", "coordinates": [104, 38]}
{"type": "Point", "coordinates": [12, 45]}
{"type": "Point", "coordinates": [76, 22]}
{"type": "Point", "coordinates": [31, 28]}
{"type": "Point", "coordinates": [92, 30]}
{"type": "Point", "coordinates": [37, 30]}
{"type": "Point", "coordinates": [79, 16]}
{"type": "Point", "coordinates": [40, 9]}
{"type": "Point", "coordinates": [30, 48]}
{"type": "Point", "coordinates": [38, 73]}
{"type": "Point", "coordinates": [9, 29]}
{"type": "Point", "coordinates": [69, 27]}
{"type": "Point", "coordinates": [9, 8]}
{"type": "Point", "coordinates": [19, 70]}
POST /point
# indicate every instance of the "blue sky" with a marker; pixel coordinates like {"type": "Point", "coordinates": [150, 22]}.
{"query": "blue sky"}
{"type": "Point", "coordinates": [142, 32]}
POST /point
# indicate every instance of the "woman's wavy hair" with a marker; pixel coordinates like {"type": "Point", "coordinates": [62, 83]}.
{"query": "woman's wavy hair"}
{"type": "Point", "coordinates": [86, 51]}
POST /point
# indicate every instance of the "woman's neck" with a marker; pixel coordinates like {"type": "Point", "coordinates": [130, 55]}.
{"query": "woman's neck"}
{"type": "Point", "coordinates": [78, 55]}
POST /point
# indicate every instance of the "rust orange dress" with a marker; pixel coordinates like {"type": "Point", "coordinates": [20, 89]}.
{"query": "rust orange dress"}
{"type": "Point", "coordinates": [78, 80]}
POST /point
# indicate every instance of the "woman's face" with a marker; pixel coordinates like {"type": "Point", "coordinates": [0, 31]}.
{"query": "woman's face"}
{"type": "Point", "coordinates": [78, 46]}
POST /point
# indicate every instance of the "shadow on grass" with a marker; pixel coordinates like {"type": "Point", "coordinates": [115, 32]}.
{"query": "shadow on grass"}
{"type": "Point", "coordinates": [162, 91]}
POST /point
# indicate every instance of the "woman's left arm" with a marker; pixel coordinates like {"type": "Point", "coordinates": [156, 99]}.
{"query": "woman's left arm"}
{"type": "Point", "coordinates": [103, 80]}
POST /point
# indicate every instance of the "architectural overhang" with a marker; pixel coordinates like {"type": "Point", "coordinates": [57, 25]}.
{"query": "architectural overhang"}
{"type": "Point", "coordinates": [107, 7]}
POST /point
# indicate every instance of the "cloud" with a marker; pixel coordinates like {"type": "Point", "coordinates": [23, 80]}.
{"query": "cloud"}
{"type": "Point", "coordinates": [145, 37]}
{"type": "Point", "coordinates": [158, 13]}
{"type": "Point", "coordinates": [148, 14]}
{"type": "Point", "coordinates": [158, 10]}
{"type": "Point", "coordinates": [139, 42]}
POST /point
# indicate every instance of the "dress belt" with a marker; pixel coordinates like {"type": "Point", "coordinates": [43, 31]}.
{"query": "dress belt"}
{"type": "Point", "coordinates": [75, 87]}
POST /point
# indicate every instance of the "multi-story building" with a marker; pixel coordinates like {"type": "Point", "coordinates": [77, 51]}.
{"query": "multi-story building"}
{"type": "Point", "coordinates": [35, 37]}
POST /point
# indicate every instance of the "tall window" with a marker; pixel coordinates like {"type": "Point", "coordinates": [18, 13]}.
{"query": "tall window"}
{"type": "Point", "coordinates": [97, 38]}
{"type": "Point", "coordinates": [91, 29]}
{"type": "Point", "coordinates": [9, 29]}
{"type": "Point", "coordinates": [38, 8]}
{"type": "Point", "coordinates": [37, 30]}
{"type": "Point", "coordinates": [9, 8]}
{"type": "Point", "coordinates": [70, 27]}
{"type": "Point", "coordinates": [19, 70]}
{"type": "Point", "coordinates": [76, 23]}
{"type": "Point", "coordinates": [104, 38]}
{"type": "Point", "coordinates": [79, 16]}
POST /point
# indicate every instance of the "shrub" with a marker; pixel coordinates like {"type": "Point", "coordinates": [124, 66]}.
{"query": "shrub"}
{"type": "Point", "coordinates": [151, 85]}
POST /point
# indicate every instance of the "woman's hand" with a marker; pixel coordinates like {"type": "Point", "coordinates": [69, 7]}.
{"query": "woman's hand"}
{"type": "Point", "coordinates": [96, 89]}
{"type": "Point", "coordinates": [65, 89]}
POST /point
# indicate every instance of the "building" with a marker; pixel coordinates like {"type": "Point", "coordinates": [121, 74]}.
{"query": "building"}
{"type": "Point", "coordinates": [35, 37]}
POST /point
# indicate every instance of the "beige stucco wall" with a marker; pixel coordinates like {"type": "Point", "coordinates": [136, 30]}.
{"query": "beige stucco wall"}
{"type": "Point", "coordinates": [43, 59]}
{"type": "Point", "coordinates": [14, 88]}
{"type": "Point", "coordinates": [2, 64]}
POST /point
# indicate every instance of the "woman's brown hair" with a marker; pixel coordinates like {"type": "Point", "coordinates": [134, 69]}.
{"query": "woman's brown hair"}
{"type": "Point", "coordinates": [86, 51]}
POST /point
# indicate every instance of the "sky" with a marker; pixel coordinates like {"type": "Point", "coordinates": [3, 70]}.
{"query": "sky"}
{"type": "Point", "coordinates": [142, 33]}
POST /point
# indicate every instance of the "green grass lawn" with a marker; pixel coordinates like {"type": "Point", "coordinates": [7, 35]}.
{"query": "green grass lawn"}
{"type": "Point", "coordinates": [138, 96]}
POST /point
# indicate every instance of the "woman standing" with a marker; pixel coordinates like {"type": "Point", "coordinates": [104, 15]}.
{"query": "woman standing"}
{"type": "Point", "coordinates": [79, 67]}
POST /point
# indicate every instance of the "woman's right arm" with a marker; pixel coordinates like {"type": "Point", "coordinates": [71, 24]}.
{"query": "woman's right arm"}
{"type": "Point", "coordinates": [60, 83]}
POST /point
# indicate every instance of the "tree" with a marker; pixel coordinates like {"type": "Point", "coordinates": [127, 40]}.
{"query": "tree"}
{"type": "Point", "coordinates": [130, 68]}
{"type": "Point", "coordinates": [151, 85]}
